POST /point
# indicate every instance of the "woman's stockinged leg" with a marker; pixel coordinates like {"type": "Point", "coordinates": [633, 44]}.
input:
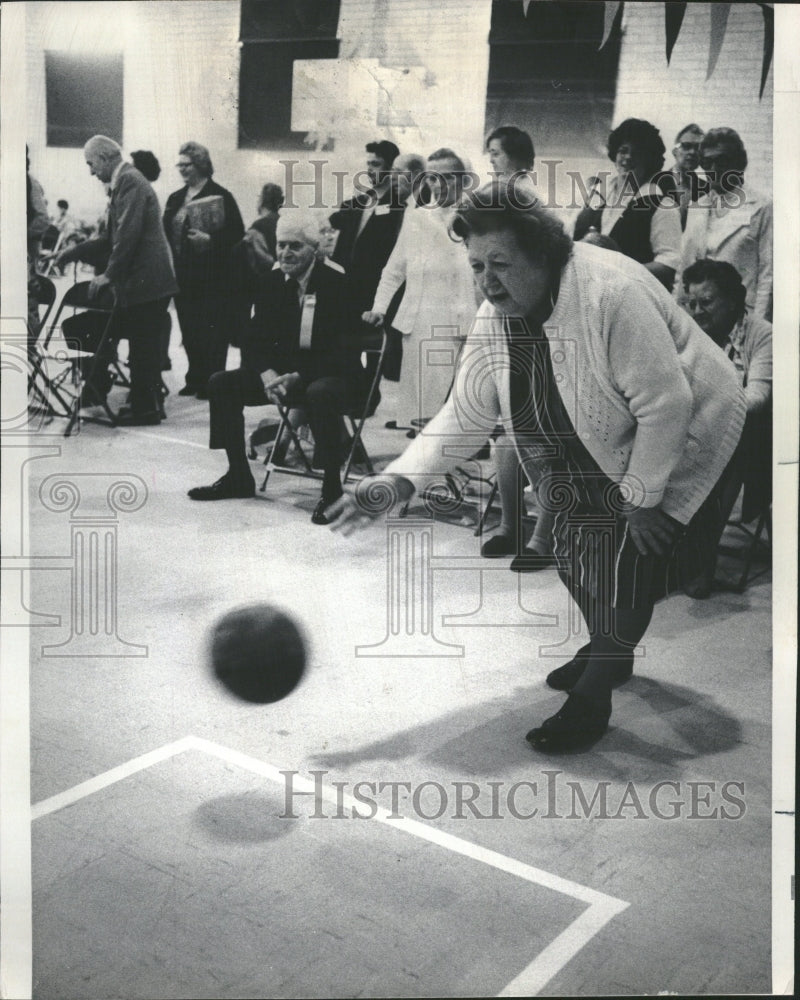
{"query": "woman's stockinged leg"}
{"type": "Point", "coordinates": [607, 662]}
{"type": "Point", "coordinates": [611, 651]}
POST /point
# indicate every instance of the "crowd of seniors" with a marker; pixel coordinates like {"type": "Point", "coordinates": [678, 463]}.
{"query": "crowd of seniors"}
{"type": "Point", "coordinates": [654, 428]}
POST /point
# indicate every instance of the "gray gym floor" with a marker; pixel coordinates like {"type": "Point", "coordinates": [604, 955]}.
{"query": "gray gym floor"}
{"type": "Point", "coordinates": [171, 858]}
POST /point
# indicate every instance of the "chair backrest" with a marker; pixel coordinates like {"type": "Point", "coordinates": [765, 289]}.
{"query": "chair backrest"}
{"type": "Point", "coordinates": [77, 297]}
{"type": "Point", "coordinates": [43, 288]}
{"type": "Point", "coordinates": [44, 292]}
{"type": "Point", "coordinates": [50, 238]}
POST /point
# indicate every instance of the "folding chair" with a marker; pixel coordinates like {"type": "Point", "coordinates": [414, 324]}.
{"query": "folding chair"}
{"type": "Point", "coordinates": [44, 292]}
{"type": "Point", "coordinates": [755, 543]}
{"type": "Point", "coordinates": [74, 360]}
{"type": "Point", "coordinates": [355, 420]}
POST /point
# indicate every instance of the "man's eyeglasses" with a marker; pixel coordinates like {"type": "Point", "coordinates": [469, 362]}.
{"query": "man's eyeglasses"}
{"type": "Point", "coordinates": [183, 166]}
{"type": "Point", "coordinates": [689, 147]}
{"type": "Point", "coordinates": [713, 162]}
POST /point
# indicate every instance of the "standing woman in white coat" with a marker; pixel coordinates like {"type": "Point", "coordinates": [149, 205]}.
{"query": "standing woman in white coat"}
{"type": "Point", "coordinates": [440, 297]}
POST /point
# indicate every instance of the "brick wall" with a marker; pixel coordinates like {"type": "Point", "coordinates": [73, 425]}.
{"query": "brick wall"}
{"type": "Point", "coordinates": [671, 97]}
{"type": "Point", "coordinates": [182, 70]}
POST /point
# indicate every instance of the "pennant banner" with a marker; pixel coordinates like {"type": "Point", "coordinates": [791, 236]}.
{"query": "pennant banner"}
{"type": "Point", "coordinates": [719, 22]}
{"type": "Point", "coordinates": [611, 9]}
{"type": "Point", "coordinates": [769, 43]}
{"type": "Point", "coordinates": [673, 19]}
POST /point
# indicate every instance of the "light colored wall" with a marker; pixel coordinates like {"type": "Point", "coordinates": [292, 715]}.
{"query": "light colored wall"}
{"type": "Point", "coordinates": [181, 82]}
{"type": "Point", "coordinates": [182, 68]}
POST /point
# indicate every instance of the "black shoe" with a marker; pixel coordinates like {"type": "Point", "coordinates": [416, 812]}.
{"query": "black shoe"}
{"type": "Point", "coordinates": [498, 546]}
{"type": "Point", "coordinates": [132, 418]}
{"type": "Point", "coordinates": [319, 517]}
{"type": "Point", "coordinates": [565, 678]}
{"type": "Point", "coordinates": [226, 488]}
{"type": "Point", "coordinates": [187, 390]}
{"type": "Point", "coordinates": [202, 394]}
{"type": "Point", "coordinates": [531, 562]}
{"type": "Point", "coordinates": [579, 722]}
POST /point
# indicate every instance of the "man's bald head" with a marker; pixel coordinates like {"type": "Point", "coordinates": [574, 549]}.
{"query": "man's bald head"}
{"type": "Point", "coordinates": [102, 156]}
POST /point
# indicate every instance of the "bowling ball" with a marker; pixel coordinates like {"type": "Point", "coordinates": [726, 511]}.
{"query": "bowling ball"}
{"type": "Point", "coordinates": [258, 653]}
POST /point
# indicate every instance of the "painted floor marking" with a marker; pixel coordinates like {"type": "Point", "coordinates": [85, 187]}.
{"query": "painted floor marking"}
{"type": "Point", "coordinates": [602, 908]}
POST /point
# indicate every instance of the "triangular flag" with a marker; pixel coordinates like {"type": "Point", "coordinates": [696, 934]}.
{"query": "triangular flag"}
{"type": "Point", "coordinates": [673, 19]}
{"type": "Point", "coordinates": [612, 6]}
{"type": "Point", "coordinates": [769, 43]}
{"type": "Point", "coordinates": [719, 22]}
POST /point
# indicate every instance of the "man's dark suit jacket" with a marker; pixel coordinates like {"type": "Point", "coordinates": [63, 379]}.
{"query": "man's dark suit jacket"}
{"type": "Point", "coordinates": [139, 264]}
{"type": "Point", "coordinates": [272, 340]}
{"type": "Point", "coordinates": [208, 273]}
{"type": "Point", "coordinates": [364, 258]}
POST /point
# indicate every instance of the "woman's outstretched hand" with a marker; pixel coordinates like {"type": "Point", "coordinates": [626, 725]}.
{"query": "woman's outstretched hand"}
{"type": "Point", "coordinates": [373, 497]}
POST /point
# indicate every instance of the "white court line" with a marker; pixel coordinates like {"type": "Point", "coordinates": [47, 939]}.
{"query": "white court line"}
{"type": "Point", "coordinates": [601, 907]}
{"type": "Point", "coordinates": [63, 799]}
{"type": "Point", "coordinates": [162, 437]}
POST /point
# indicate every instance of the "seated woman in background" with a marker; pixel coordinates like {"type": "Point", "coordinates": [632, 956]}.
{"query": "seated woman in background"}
{"type": "Point", "coordinates": [715, 299]}
{"type": "Point", "coordinates": [636, 212]}
{"type": "Point", "coordinates": [599, 375]}
{"type": "Point", "coordinates": [438, 304]}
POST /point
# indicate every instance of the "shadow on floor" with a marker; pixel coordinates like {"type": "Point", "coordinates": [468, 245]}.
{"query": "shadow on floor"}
{"type": "Point", "coordinates": [245, 818]}
{"type": "Point", "coordinates": [654, 724]}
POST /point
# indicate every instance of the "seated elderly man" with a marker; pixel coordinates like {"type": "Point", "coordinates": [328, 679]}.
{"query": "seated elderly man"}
{"type": "Point", "coordinates": [715, 298]}
{"type": "Point", "coordinates": [299, 351]}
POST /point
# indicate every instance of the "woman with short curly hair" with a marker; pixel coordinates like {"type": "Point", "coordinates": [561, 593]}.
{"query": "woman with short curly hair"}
{"type": "Point", "coordinates": [635, 208]}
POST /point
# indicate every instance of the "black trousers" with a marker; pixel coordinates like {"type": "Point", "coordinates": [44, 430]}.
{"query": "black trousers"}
{"type": "Point", "coordinates": [206, 325]}
{"type": "Point", "coordinates": [325, 401]}
{"type": "Point", "coordinates": [142, 325]}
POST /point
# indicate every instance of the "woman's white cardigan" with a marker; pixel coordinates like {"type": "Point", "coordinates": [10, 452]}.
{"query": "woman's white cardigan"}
{"type": "Point", "coordinates": [655, 402]}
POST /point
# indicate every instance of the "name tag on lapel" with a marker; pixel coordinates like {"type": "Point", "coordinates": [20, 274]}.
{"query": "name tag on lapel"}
{"type": "Point", "coordinates": [382, 209]}
{"type": "Point", "coordinates": [307, 321]}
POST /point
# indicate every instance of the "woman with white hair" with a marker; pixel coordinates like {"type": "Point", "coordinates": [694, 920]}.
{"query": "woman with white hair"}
{"type": "Point", "coordinates": [203, 224]}
{"type": "Point", "coordinates": [299, 353]}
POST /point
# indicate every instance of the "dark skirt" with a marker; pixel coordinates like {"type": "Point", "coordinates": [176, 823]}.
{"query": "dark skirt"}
{"type": "Point", "coordinates": [595, 552]}
{"type": "Point", "coordinates": [591, 539]}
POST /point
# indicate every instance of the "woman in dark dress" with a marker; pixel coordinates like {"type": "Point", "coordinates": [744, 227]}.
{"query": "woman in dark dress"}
{"type": "Point", "coordinates": [637, 207]}
{"type": "Point", "coordinates": [203, 223]}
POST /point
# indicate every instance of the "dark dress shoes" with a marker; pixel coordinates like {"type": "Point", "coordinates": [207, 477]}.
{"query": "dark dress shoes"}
{"type": "Point", "coordinates": [187, 390]}
{"type": "Point", "coordinates": [498, 546]}
{"type": "Point", "coordinates": [126, 417]}
{"type": "Point", "coordinates": [226, 488]}
{"type": "Point", "coordinates": [578, 724]}
{"type": "Point", "coordinates": [319, 516]}
{"type": "Point", "coordinates": [202, 393]}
